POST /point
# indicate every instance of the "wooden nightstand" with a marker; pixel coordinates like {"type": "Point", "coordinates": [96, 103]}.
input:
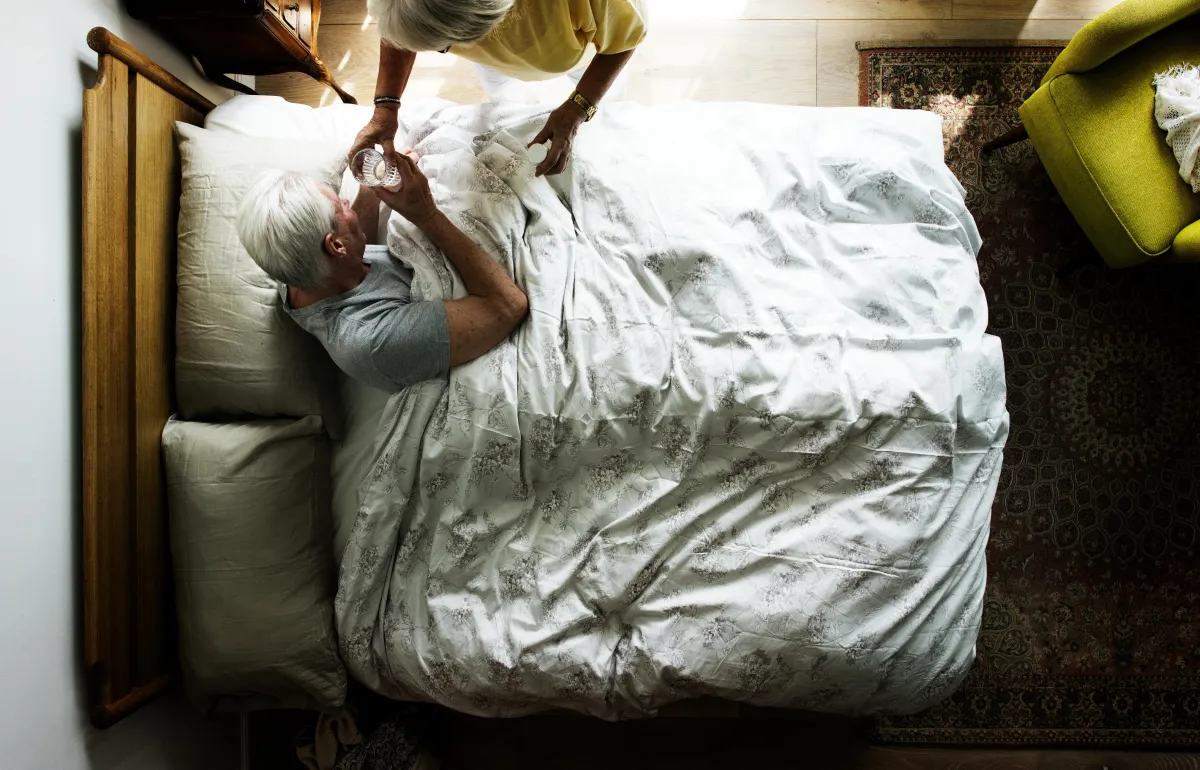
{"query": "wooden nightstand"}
{"type": "Point", "coordinates": [243, 37]}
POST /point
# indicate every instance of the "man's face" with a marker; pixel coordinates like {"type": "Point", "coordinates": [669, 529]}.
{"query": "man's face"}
{"type": "Point", "coordinates": [348, 240]}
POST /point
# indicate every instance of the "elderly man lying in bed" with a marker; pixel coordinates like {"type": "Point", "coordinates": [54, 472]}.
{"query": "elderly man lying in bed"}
{"type": "Point", "coordinates": [353, 295]}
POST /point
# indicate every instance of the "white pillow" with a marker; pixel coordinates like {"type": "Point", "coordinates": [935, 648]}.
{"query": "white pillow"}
{"type": "Point", "coordinates": [1177, 110]}
{"type": "Point", "coordinates": [338, 123]}
{"type": "Point", "coordinates": [274, 117]}
{"type": "Point", "coordinates": [254, 573]}
{"type": "Point", "coordinates": [238, 355]}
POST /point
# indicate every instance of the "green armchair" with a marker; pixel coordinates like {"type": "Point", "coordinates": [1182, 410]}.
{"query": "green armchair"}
{"type": "Point", "coordinates": [1092, 124]}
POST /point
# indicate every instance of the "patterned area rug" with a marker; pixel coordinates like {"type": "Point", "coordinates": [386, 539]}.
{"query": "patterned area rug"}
{"type": "Point", "coordinates": [1091, 626]}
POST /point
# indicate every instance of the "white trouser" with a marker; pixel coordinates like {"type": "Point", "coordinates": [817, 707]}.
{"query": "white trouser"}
{"type": "Point", "coordinates": [502, 88]}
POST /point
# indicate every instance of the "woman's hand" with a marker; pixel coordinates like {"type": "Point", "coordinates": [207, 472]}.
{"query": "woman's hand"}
{"type": "Point", "coordinates": [381, 129]}
{"type": "Point", "coordinates": [560, 130]}
{"type": "Point", "coordinates": [413, 201]}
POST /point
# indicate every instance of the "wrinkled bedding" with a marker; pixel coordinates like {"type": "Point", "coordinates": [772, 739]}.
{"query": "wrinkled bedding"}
{"type": "Point", "coordinates": [744, 446]}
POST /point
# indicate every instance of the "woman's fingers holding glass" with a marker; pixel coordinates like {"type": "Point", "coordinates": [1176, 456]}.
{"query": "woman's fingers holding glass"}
{"type": "Point", "coordinates": [361, 142]}
{"type": "Point", "coordinates": [380, 130]}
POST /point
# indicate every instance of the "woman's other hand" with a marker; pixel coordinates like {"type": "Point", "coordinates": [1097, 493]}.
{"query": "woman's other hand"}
{"type": "Point", "coordinates": [381, 130]}
{"type": "Point", "coordinates": [560, 130]}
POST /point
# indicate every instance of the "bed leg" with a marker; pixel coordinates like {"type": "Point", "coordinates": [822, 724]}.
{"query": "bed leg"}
{"type": "Point", "coordinates": [244, 739]}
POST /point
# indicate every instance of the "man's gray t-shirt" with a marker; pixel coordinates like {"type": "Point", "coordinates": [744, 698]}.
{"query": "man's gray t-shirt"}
{"type": "Point", "coordinates": [375, 333]}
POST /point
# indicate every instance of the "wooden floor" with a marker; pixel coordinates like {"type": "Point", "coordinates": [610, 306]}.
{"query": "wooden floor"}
{"type": "Point", "coordinates": [782, 51]}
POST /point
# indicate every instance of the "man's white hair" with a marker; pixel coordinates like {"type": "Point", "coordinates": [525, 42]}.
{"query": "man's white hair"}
{"type": "Point", "coordinates": [282, 221]}
{"type": "Point", "coordinates": [433, 25]}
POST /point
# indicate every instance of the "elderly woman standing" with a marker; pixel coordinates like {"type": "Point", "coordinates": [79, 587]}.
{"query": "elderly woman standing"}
{"type": "Point", "coordinates": [522, 39]}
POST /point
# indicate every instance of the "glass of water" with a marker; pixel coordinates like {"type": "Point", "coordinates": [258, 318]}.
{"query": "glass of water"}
{"type": "Point", "coordinates": [371, 169]}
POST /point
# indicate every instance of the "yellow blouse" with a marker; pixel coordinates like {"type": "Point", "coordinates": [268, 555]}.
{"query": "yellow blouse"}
{"type": "Point", "coordinates": [540, 39]}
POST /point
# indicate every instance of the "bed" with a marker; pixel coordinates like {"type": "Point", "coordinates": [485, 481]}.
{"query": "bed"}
{"type": "Point", "coordinates": [745, 447]}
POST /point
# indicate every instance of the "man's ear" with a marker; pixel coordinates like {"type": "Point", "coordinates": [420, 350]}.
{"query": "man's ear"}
{"type": "Point", "coordinates": [333, 246]}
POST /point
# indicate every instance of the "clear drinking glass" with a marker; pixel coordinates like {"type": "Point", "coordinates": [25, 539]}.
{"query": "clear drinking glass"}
{"type": "Point", "coordinates": [371, 169]}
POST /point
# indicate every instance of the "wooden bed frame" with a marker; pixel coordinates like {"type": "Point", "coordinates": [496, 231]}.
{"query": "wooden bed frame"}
{"type": "Point", "coordinates": [130, 208]}
{"type": "Point", "coordinates": [131, 174]}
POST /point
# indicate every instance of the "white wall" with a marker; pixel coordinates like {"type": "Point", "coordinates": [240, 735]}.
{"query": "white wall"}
{"type": "Point", "coordinates": [42, 721]}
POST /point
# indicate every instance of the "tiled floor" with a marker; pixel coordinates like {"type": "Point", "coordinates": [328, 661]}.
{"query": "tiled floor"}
{"type": "Point", "coordinates": [782, 51]}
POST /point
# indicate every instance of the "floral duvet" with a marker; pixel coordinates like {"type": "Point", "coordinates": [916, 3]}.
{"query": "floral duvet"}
{"type": "Point", "coordinates": [745, 444]}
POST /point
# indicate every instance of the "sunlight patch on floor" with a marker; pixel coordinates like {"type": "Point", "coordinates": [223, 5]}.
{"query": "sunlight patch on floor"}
{"type": "Point", "coordinates": [432, 60]}
{"type": "Point", "coordinates": [696, 10]}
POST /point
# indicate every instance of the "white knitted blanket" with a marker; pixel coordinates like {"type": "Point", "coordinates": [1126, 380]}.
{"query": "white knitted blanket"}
{"type": "Point", "coordinates": [1177, 110]}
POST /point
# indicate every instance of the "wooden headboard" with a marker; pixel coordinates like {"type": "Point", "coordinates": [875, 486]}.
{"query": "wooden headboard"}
{"type": "Point", "coordinates": [130, 207]}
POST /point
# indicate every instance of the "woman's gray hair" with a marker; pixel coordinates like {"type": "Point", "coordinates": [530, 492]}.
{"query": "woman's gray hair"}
{"type": "Point", "coordinates": [282, 221]}
{"type": "Point", "coordinates": [434, 25]}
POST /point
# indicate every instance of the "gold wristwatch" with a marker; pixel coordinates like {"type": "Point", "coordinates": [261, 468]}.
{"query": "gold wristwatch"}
{"type": "Point", "coordinates": [581, 101]}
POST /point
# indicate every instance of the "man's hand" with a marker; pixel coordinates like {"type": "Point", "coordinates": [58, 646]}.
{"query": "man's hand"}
{"type": "Point", "coordinates": [381, 129]}
{"type": "Point", "coordinates": [560, 131]}
{"type": "Point", "coordinates": [413, 201]}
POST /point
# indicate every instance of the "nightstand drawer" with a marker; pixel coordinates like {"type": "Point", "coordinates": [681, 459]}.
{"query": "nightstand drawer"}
{"type": "Point", "coordinates": [297, 14]}
{"type": "Point", "coordinates": [246, 37]}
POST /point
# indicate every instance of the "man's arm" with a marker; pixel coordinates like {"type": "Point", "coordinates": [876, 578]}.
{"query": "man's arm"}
{"type": "Point", "coordinates": [495, 306]}
{"type": "Point", "coordinates": [366, 207]}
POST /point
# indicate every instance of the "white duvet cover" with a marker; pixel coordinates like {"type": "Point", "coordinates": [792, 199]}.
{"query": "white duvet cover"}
{"type": "Point", "coordinates": [744, 446]}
